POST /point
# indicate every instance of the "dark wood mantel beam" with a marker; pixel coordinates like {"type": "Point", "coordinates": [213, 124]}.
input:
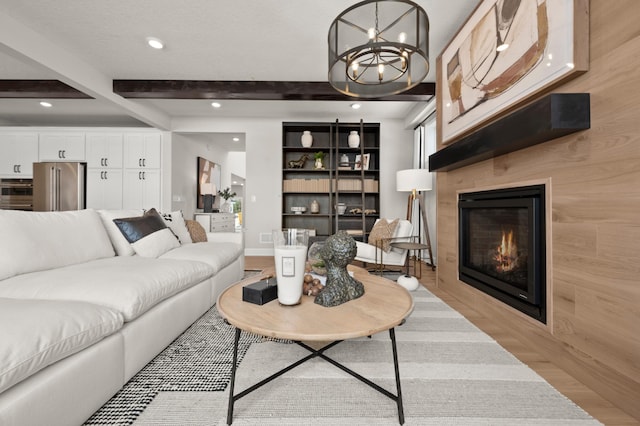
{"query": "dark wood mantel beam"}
{"type": "Point", "coordinates": [252, 90]}
{"type": "Point", "coordinates": [36, 89]}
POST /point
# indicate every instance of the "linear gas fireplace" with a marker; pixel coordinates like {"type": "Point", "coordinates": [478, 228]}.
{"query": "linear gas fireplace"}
{"type": "Point", "coordinates": [502, 246]}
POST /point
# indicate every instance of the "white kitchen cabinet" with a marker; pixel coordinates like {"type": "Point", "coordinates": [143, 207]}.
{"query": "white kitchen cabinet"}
{"type": "Point", "coordinates": [104, 188]}
{"type": "Point", "coordinates": [141, 189]}
{"type": "Point", "coordinates": [104, 150]}
{"type": "Point", "coordinates": [142, 151]}
{"type": "Point", "coordinates": [61, 146]}
{"type": "Point", "coordinates": [18, 152]}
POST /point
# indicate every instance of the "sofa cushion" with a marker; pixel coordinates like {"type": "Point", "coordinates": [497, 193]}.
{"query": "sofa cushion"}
{"type": "Point", "coordinates": [138, 227]}
{"type": "Point", "coordinates": [37, 333]}
{"type": "Point", "coordinates": [217, 254]}
{"type": "Point", "coordinates": [36, 241]}
{"type": "Point", "coordinates": [131, 284]}
{"type": "Point", "coordinates": [119, 242]}
{"type": "Point", "coordinates": [196, 231]}
{"type": "Point", "coordinates": [156, 244]}
{"type": "Point", "coordinates": [175, 221]}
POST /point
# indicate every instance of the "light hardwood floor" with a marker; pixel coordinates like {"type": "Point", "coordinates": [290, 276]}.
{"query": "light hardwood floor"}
{"type": "Point", "coordinates": [590, 401]}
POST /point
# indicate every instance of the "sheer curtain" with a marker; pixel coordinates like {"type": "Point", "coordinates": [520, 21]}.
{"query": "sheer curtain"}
{"type": "Point", "coordinates": [424, 138]}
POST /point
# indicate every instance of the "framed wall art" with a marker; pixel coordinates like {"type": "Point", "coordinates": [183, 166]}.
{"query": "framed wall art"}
{"type": "Point", "coordinates": [209, 177]}
{"type": "Point", "coordinates": [506, 53]}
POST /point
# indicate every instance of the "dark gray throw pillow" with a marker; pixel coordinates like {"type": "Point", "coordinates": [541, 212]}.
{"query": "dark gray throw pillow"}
{"type": "Point", "coordinates": [135, 228]}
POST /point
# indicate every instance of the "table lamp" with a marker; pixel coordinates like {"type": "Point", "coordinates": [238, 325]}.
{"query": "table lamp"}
{"type": "Point", "coordinates": [207, 190]}
{"type": "Point", "coordinates": [414, 180]}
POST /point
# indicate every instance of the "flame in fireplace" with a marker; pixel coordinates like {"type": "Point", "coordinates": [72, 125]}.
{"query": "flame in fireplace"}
{"type": "Point", "coordinates": [507, 253]}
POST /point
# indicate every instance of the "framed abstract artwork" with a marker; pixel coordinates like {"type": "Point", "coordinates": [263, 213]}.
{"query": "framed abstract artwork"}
{"type": "Point", "coordinates": [506, 53]}
{"type": "Point", "coordinates": [209, 176]}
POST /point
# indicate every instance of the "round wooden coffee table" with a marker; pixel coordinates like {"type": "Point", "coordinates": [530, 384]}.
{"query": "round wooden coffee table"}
{"type": "Point", "coordinates": [383, 306]}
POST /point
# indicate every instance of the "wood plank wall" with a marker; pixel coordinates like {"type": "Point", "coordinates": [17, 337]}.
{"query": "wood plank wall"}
{"type": "Point", "coordinates": [595, 231]}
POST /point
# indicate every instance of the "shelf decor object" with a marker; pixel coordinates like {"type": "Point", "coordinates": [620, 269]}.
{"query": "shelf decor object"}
{"type": "Point", "coordinates": [306, 139]}
{"type": "Point", "coordinates": [379, 48]}
{"type": "Point", "coordinates": [354, 139]}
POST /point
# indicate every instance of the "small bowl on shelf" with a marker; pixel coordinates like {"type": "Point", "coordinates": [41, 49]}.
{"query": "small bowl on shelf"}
{"type": "Point", "coordinates": [298, 210]}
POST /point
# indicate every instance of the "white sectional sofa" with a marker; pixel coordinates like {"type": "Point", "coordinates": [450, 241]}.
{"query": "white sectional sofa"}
{"type": "Point", "coordinates": [81, 313]}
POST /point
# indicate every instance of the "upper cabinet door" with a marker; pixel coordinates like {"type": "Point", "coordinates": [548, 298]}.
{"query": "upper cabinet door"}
{"type": "Point", "coordinates": [18, 152]}
{"type": "Point", "coordinates": [142, 151]}
{"type": "Point", "coordinates": [61, 147]}
{"type": "Point", "coordinates": [104, 150]}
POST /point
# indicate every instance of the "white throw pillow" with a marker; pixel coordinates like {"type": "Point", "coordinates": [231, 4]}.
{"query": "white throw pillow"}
{"type": "Point", "coordinates": [175, 221]}
{"type": "Point", "coordinates": [119, 242]}
{"type": "Point", "coordinates": [156, 244]}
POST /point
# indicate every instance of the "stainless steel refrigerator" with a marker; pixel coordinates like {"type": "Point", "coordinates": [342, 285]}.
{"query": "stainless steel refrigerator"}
{"type": "Point", "coordinates": [59, 186]}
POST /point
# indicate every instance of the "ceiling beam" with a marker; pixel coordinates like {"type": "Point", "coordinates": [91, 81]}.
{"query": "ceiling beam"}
{"type": "Point", "coordinates": [38, 89]}
{"type": "Point", "coordinates": [252, 90]}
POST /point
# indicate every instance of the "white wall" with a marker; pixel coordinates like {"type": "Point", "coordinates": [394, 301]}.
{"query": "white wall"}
{"type": "Point", "coordinates": [185, 152]}
{"type": "Point", "coordinates": [263, 185]}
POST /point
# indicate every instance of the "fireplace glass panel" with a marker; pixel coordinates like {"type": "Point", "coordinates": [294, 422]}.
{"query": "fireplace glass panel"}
{"type": "Point", "coordinates": [498, 244]}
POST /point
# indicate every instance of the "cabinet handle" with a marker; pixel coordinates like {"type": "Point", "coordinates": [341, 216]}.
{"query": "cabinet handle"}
{"type": "Point", "coordinates": [59, 153]}
{"type": "Point", "coordinates": [139, 162]}
{"type": "Point", "coordinates": [101, 175]}
{"type": "Point", "coordinates": [139, 175]}
{"type": "Point", "coordinates": [15, 168]}
{"type": "Point", "coordinates": [64, 153]}
{"type": "Point", "coordinates": [106, 162]}
{"type": "Point", "coordinates": [144, 162]}
{"type": "Point", "coordinates": [105, 175]}
{"type": "Point", "coordinates": [19, 168]}
{"type": "Point", "coordinates": [143, 176]}
{"type": "Point", "coordinates": [102, 162]}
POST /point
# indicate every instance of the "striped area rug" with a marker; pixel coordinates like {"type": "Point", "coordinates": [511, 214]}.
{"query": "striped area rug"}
{"type": "Point", "coordinates": [452, 374]}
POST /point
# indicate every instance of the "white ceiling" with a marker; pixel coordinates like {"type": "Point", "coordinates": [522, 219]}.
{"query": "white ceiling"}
{"type": "Point", "coordinates": [88, 43]}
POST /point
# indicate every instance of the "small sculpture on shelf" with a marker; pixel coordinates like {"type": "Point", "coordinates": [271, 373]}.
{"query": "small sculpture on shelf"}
{"type": "Point", "coordinates": [299, 163]}
{"type": "Point", "coordinates": [319, 156]}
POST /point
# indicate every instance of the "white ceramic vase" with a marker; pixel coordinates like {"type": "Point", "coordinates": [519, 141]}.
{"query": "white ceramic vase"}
{"type": "Point", "coordinates": [306, 139]}
{"type": "Point", "coordinates": [354, 139]}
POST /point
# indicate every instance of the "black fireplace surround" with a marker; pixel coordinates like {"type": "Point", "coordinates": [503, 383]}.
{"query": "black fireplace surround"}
{"type": "Point", "coordinates": [502, 246]}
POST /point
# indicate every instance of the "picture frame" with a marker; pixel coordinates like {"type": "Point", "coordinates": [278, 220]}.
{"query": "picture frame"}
{"type": "Point", "coordinates": [208, 173]}
{"type": "Point", "coordinates": [362, 162]}
{"type": "Point", "coordinates": [546, 43]}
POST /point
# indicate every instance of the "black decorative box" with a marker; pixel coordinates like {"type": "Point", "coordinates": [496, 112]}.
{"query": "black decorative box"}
{"type": "Point", "coordinates": [261, 292]}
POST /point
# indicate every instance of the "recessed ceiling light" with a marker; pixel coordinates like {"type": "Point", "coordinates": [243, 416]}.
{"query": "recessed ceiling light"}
{"type": "Point", "coordinates": [156, 43]}
{"type": "Point", "coordinates": [502, 47]}
{"type": "Point", "coordinates": [236, 139]}
{"type": "Point", "coordinates": [216, 104]}
{"type": "Point", "coordinates": [355, 106]}
{"type": "Point", "coordinates": [46, 104]}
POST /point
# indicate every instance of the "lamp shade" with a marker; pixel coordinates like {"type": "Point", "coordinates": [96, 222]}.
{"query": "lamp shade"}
{"type": "Point", "coordinates": [410, 179]}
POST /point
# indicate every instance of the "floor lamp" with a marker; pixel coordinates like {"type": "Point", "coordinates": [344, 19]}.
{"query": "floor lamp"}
{"type": "Point", "coordinates": [414, 180]}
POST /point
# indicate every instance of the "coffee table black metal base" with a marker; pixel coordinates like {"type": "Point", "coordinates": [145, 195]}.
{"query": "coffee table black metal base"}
{"type": "Point", "coordinates": [315, 353]}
